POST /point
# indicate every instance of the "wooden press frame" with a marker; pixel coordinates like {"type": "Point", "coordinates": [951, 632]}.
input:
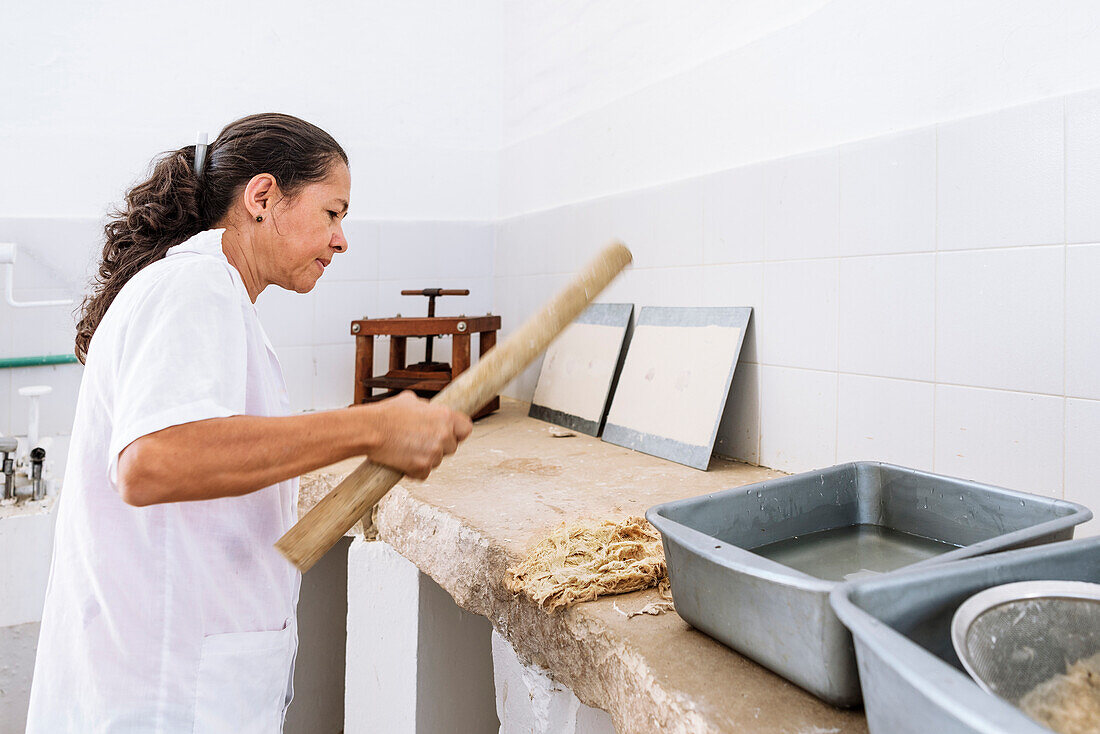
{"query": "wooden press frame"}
{"type": "Point", "coordinates": [400, 329]}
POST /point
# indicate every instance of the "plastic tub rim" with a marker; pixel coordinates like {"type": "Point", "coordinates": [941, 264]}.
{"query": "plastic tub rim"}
{"type": "Point", "coordinates": [770, 570]}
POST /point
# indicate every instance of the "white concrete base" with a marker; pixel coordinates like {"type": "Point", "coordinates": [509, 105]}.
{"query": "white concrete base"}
{"type": "Point", "coordinates": [416, 662]}
{"type": "Point", "coordinates": [529, 701]}
{"type": "Point", "coordinates": [419, 664]}
{"type": "Point", "coordinates": [318, 705]}
{"type": "Point", "coordinates": [26, 545]}
{"type": "Point", "coordinates": [17, 647]}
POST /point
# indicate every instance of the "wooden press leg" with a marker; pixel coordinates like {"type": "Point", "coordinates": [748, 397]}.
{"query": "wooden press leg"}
{"type": "Point", "coordinates": [397, 352]}
{"type": "Point", "coordinates": [460, 354]}
{"type": "Point", "coordinates": [364, 366]}
{"type": "Point", "coordinates": [486, 340]}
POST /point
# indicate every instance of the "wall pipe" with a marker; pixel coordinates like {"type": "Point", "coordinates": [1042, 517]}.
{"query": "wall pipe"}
{"type": "Point", "coordinates": [37, 361]}
{"type": "Point", "coordinates": [7, 260]}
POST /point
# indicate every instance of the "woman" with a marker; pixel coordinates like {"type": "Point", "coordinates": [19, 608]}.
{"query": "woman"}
{"type": "Point", "coordinates": [168, 609]}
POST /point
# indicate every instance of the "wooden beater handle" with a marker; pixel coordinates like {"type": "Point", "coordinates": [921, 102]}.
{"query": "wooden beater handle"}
{"type": "Point", "coordinates": [313, 535]}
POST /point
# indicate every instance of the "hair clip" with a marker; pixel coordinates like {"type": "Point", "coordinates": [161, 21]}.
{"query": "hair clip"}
{"type": "Point", "coordinates": [200, 154]}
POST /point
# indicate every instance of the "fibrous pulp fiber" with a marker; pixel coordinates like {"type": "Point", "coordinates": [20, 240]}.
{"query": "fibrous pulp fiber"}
{"type": "Point", "coordinates": [584, 561]}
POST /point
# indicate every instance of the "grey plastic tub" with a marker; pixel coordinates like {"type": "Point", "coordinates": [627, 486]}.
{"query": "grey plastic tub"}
{"type": "Point", "coordinates": [780, 617]}
{"type": "Point", "coordinates": [913, 682]}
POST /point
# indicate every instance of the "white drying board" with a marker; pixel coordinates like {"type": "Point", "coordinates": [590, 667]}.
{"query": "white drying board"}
{"type": "Point", "coordinates": [579, 370]}
{"type": "Point", "coordinates": [675, 382]}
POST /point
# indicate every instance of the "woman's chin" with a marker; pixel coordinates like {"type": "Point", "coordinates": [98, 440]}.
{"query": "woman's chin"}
{"type": "Point", "coordinates": [304, 284]}
{"type": "Point", "coordinates": [306, 287]}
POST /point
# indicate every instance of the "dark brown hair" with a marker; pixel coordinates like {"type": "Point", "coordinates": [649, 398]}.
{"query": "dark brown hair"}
{"type": "Point", "coordinates": [174, 203]}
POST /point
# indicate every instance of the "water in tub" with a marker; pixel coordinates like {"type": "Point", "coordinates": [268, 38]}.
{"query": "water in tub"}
{"type": "Point", "coordinates": [844, 553]}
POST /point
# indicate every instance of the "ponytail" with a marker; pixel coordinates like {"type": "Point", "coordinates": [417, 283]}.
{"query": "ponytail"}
{"type": "Point", "coordinates": [174, 204]}
{"type": "Point", "coordinates": [158, 214]}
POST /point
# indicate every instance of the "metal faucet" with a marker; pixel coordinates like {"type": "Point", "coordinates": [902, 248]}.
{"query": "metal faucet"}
{"type": "Point", "coordinates": [38, 487]}
{"type": "Point", "coordinates": [7, 448]}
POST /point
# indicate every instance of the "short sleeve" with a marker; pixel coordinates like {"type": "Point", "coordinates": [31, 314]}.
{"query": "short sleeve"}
{"type": "Point", "coordinates": [182, 356]}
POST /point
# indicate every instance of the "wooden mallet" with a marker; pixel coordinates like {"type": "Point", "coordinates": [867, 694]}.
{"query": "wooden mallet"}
{"type": "Point", "coordinates": [332, 517]}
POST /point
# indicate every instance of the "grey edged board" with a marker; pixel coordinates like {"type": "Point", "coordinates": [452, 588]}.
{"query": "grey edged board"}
{"type": "Point", "coordinates": [675, 382]}
{"type": "Point", "coordinates": [579, 371]}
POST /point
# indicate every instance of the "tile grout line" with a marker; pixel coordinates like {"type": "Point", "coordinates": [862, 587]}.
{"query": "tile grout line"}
{"type": "Point", "coordinates": [760, 367]}
{"type": "Point", "coordinates": [1065, 292]}
{"type": "Point", "coordinates": [934, 383]}
{"type": "Point", "coordinates": [960, 251]}
{"type": "Point", "coordinates": [935, 286]}
{"type": "Point", "coordinates": [836, 274]}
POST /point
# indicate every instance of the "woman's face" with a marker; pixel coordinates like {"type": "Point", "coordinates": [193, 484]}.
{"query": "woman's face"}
{"type": "Point", "coordinates": [307, 231]}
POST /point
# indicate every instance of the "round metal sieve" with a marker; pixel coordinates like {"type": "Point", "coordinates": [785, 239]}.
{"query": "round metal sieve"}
{"type": "Point", "coordinates": [1013, 637]}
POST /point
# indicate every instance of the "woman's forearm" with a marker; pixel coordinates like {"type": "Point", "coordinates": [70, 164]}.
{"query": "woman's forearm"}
{"type": "Point", "coordinates": [226, 457]}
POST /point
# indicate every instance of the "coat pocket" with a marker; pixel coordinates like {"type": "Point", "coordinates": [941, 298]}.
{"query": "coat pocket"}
{"type": "Point", "coordinates": [242, 683]}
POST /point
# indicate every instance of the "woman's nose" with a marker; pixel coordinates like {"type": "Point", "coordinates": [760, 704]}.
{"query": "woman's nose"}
{"type": "Point", "coordinates": [339, 241]}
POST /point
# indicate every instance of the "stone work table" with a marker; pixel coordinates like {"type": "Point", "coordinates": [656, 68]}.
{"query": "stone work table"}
{"type": "Point", "coordinates": [510, 484]}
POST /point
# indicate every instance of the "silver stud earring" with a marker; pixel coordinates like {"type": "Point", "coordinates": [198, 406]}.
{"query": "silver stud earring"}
{"type": "Point", "coordinates": [260, 218]}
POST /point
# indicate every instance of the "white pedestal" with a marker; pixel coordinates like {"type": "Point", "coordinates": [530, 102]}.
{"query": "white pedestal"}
{"type": "Point", "coordinates": [529, 701]}
{"type": "Point", "coordinates": [416, 662]}
{"type": "Point", "coordinates": [419, 664]}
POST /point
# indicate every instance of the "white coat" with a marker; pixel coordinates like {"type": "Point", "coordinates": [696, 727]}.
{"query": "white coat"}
{"type": "Point", "coordinates": [173, 618]}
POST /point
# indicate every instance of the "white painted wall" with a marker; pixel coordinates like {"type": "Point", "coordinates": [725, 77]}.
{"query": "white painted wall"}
{"type": "Point", "coordinates": [606, 96]}
{"type": "Point", "coordinates": [924, 298]}
{"type": "Point", "coordinates": [573, 101]}
{"type": "Point", "coordinates": [92, 91]}
{"type": "Point", "coordinates": [905, 192]}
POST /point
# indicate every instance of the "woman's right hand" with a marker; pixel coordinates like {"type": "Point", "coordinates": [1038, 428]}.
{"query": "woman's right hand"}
{"type": "Point", "coordinates": [413, 435]}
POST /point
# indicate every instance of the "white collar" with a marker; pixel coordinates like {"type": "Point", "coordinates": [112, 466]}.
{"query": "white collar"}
{"type": "Point", "coordinates": [207, 242]}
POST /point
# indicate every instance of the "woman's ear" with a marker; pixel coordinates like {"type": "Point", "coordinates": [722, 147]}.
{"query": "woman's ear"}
{"type": "Point", "coordinates": [260, 195]}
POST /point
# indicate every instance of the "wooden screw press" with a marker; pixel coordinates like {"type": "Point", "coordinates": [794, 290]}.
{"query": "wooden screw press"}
{"type": "Point", "coordinates": [425, 378]}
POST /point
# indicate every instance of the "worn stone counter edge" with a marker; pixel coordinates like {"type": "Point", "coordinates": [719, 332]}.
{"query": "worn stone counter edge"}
{"type": "Point", "coordinates": [583, 647]}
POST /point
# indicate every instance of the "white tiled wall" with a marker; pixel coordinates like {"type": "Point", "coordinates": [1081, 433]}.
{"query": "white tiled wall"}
{"type": "Point", "coordinates": [998, 314]}
{"type": "Point", "coordinates": [927, 298]}
{"type": "Point", "coordinates": [1013, 439]}
{"type": "Point", "coordinates": [888, 195]}
{"type": "Point", "coordinates": [801, 207]}
{"type": "Point", "coordinates": [887, 316]}
{"type": "Point", "coordinates": [889, 420]}
{"type": "Point", "coordinates": [1001, 178]}
{"type": "Point", "coordinates": [310, 332]}
{"type": "Point", "coordinates": [788, 333]}
{"type": "Point", "coordinates": [1082, 458]}
{"type": "Point", "coordinates": [1083, 320]}
{"type": "Point", "coordinates": [798, 417]}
